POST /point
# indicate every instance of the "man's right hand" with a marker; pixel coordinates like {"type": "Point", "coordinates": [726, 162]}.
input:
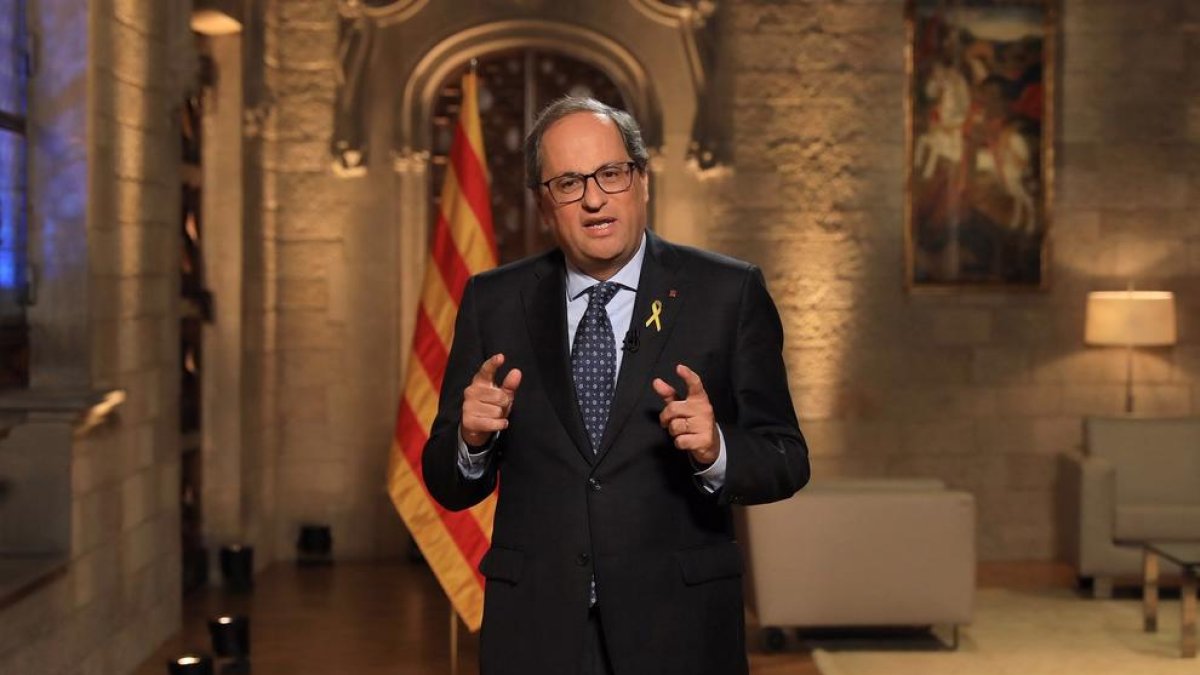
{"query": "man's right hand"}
{"type": "Point", "coordinates": [485, 405]}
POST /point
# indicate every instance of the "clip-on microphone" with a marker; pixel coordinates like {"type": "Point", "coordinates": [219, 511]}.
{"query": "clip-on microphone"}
{"type": "Point", "coordinates": [631, 341]}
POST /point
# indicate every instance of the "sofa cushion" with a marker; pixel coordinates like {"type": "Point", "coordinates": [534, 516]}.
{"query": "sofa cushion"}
{"type": "Point", "coordinates": [1157, 522]}
{"type": "Point", "coordinates": [1157, 460]}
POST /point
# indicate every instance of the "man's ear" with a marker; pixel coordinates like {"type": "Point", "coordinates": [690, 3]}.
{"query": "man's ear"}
{"type": "Point", "coordinates": [644, 176]}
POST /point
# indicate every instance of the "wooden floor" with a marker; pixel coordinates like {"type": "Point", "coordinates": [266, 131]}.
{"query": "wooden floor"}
{"type": "Point", "coordinates": [391, 618]}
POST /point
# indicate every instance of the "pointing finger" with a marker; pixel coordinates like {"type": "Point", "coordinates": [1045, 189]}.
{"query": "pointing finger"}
{"type": "Point", "coordinates": [695, 386]}
{"type": "Point", "coordinates": [511, 381]}
{"type": "Point", "coordinates": [487, 372]}
{"type": "Point", "coordinates": [665, 391]}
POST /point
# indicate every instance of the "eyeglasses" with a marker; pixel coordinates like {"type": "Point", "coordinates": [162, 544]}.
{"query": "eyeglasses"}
{"type": "Point", "coordinates": [571, 187]}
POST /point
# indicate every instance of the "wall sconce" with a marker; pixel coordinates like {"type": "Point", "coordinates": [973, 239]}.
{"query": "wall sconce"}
{"type": "Point", "coordinates": [1130, 319]}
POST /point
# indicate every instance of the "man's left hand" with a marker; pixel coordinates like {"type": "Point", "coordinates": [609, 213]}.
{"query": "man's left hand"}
{"type": "Point", "coordinates": [690, 421]}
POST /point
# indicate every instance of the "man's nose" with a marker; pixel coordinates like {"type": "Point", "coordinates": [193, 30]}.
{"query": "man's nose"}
{"type": "Point", "coordinates": [594, 198]}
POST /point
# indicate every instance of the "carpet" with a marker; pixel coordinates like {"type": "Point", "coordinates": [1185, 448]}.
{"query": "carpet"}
{"type": "Point", "coordinates": [1038, 633]}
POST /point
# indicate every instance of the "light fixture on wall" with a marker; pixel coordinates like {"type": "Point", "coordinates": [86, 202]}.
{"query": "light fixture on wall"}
{"type": "Point", "coordinates": [216, 17]}
{"type": "Point", "coordinates": [1130, 319]}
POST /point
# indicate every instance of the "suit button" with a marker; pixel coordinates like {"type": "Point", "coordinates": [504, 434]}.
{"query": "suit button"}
{"type": "Point", "coordinates": [583, 559]}
{"type": "Point", "coordinates": [595, 484]}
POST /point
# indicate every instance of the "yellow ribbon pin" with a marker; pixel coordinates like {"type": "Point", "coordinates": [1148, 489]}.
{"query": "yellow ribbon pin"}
{"type": "Point", "coordinates": [655, 313]}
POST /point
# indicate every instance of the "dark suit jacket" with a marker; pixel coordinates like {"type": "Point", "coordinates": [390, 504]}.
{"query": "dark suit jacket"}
{"type": "Point", "coordinates": [667, 569]}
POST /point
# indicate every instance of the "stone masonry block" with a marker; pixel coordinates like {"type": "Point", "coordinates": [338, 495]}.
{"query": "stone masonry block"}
{"type": "Point", "coordinates": [1165, 400]}
{"type": "Point", "coordinates": [293, 155]}
{"type": "Point", "coordinates": [94, 575]}
{"type": "Point", "coordinates": [961, 326]}
{"type": "Point", "coordinates": [310, 440]}
{"type": "Point", "coordinates": [754, 89]}
{"type": "Point", "coordinates": [294, 85]}
{"type": "Point", "coordinates": [1053, 435]}
{"type": "Point", "coordinates": [138, 493]}
{"type": "Point", "coordinates": [1117, 16]}
{"type": "Point", "coordinates": [1004, 435]}
{"type": "Point", "coordinates": [999, 365]}
{"type": "Point", "coordinates": [301, 46]}
{"type": "Point", "coordinates": [858, 438]}
{"type": "Point", "coordinates": [946, 437]}
{"type": "Point", "coordinates": [305, 119]}
{"type": "Point", "coordinates": [95, 519]}
{"type": "Point", "coordinates": [931, 403]}
{"type": "Point", "coordinates": [1027, 400]}
{"type": "Point", "coordinates": [1093, 399]}
{"type": "Point", "coordinates": [306, 404]}
{"type": "Point", "coordinates": [314, 482]}
{"type": "Point", "coordinates": [139, 547]}
{"type": "Point", "coordinates": [308, 260]}
{"type": "Point", "coordinates": [303, 294]}
{"type": "Point", "coordinates": [1124, 52]}
{"type": "Point", "coordinates": [136, 58]}
{"type": "Point", "coordinates": [303, 13]}
{"type": "Point", "coordinates": [1149, 258]}
{"type": "Point", "coordinates": [141, 15]}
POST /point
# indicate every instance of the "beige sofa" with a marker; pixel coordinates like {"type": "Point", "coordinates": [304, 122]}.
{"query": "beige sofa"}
{"type": "Point", "coordinates": [1139, 479]}
{"type": "Point", "coordinates": [862, 553]}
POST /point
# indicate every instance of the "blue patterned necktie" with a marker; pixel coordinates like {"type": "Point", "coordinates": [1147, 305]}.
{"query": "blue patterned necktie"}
{"type": "Point", "coordinates": [594, 361]}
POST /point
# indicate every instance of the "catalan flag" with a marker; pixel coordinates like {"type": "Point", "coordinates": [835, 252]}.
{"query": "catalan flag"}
{"type": "Point", "coordinates": [463, 244]}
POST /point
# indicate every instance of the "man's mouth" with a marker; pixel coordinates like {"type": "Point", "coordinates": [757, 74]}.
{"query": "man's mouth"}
{"type": "Point", "coordinates": [598, 223]}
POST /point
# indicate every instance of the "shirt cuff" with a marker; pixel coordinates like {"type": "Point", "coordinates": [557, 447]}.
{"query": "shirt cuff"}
{"type": "Point", "coordinates": [712, 478]}
{"type": "Point", "coordinates": [472, 465]}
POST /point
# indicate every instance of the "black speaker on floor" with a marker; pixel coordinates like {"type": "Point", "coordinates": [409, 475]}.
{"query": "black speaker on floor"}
{"type": "Point", "coordinates": [237, 568]}
{"type": "Point", "coordinates": [314, 545]}
{"type": "Point", "coordinates": [230, 636]}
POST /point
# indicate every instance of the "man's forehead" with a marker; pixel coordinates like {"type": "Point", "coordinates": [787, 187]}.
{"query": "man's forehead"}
{"type": "Point", "coordinates": [569, 139]}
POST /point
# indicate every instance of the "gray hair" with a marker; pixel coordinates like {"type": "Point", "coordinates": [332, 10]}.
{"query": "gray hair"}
{"type": "Point", "coordinates": [631, 134]}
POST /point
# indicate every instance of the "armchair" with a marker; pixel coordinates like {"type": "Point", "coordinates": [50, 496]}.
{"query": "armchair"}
{"type": "Point", "coordinates": [868, 552]}
{"type": "Point", "coordinates": [1139, 479]}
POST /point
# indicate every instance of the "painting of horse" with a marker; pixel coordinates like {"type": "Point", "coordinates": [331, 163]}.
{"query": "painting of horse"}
{"type": "Point", "coordinates": [979, 142]}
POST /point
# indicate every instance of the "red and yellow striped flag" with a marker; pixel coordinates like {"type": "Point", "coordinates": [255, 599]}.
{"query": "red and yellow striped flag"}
{"type": "Point", "coordinates": [463, 244]}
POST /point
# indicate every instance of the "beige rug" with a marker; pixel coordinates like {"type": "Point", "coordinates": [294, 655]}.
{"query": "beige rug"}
{"type": "Point", "coordinates": [1038, 633]}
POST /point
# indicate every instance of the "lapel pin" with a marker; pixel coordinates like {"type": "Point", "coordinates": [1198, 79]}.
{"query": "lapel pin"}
{"type": "Point", "coordinates": [672, 293]}
{"type": "Point", "coordinates": [655, 313]}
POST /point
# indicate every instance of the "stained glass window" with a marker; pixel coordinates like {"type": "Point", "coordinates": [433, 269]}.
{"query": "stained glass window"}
{"type": "Point", "coordinates": [14, 333]}
{"type": "Point", "coordinates": [514, 86]}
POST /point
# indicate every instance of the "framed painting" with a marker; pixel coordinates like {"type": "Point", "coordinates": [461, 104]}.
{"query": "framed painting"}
{"type": "Point", "coordinates": [980, 143]}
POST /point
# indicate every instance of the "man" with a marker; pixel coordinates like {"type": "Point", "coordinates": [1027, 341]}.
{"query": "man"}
{"type": "Point", "coordinates": [623, 391]}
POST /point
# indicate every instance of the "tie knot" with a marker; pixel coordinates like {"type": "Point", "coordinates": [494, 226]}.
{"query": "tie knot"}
{"type": "Point", "coordinates": [602, 292]}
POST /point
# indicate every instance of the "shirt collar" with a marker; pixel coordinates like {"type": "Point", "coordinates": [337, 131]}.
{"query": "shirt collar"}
{"type": "Point", "coordinates": [626, 277]}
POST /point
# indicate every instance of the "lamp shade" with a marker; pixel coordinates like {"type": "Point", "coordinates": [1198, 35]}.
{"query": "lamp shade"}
{"type": "Point", "coordinates": [1130, 319]}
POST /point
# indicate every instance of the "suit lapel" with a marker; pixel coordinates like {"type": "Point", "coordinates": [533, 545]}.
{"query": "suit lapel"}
{"type": "Point", "coordinates": [546, 316]}
{"type": "Point", "coordinates": [660, 276]}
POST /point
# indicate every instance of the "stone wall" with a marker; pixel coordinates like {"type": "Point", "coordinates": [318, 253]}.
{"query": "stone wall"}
{"type": "Point", "coordinates": [981, 389]}
{"type": "Point", "coordinates": [326, 299]}
{"type": "Point", "coordinates": [105, 202]}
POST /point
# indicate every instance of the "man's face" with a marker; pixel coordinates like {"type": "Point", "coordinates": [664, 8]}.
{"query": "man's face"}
{"type": "Point", "coordinates": [601, 232]}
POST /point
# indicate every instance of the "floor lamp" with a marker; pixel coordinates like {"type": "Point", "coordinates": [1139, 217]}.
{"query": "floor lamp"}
{"type": "Point", "coordinates": [1130, 319]}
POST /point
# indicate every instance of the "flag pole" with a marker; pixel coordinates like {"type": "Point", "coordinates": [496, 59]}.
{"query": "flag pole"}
{"type": "Point", "coordinates": [453, 640]}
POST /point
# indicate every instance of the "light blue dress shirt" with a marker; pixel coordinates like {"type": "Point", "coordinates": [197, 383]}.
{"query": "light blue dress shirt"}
{"type": "Point", "coordinates": [620, 314]}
